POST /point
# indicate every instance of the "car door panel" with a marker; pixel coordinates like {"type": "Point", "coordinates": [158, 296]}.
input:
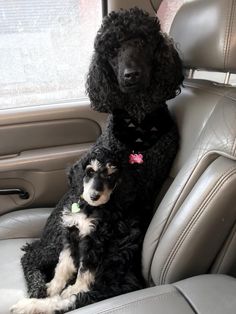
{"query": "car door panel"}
{"type": "Point", "coordinates": [27, 136]}
{"type": "Point", "coordinates": [37, 148]}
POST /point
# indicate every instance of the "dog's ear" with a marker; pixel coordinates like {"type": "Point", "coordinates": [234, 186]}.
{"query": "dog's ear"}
{"type": "Point", "coordinates": [101, 85]}
{"type": "Point", "coordinates": [72, 174]}
{"type": "Point", "coordinates": [76, 172]}
{"type": "Point", "coordinates": [168, 69]}
{"type": "Point", "coordinates": [97, 85]}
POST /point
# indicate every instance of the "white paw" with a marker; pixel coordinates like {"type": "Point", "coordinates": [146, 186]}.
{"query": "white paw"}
{"type": "Point", "coordinates": [69, 291]}
{"type": "Point", "coordinates": [54, 288]}
{"type": "Point", "coordinates": [74, 289]}
{"type": "Point", "coordinates": [25, 306]}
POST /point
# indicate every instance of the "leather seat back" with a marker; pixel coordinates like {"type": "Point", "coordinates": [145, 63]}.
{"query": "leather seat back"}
{"type": "Point", "coordinates": [193, 229]}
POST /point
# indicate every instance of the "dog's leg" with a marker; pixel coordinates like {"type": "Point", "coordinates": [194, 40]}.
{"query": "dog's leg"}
{"type": "Point", "coordinates": [32, 262]}
{"type": "Point", "coordinates": [63, 272]}
{"type": "Point", "coordinates": [44, 306]}
{"type": "Point", "coordinates": [84, 280]}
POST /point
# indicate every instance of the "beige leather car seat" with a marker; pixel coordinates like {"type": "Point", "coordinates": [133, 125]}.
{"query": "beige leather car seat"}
{"type": "Point", "coordinates": [193, 230]}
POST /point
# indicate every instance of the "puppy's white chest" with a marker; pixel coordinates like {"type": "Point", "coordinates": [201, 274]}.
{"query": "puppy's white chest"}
{"type": "Point", "coordinates": [84, 224]}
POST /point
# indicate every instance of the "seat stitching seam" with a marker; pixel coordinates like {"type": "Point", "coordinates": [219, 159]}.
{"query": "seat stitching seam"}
{"type": "Point", "coordinates": [234, 147]}
{"type": "Point", "coordinates": [193, 84]}
{"type": "Point", "coordinates": [186, 299]}
{"type": "Point", "coordinates": [225, 252]}
{"type": "Point", "coordinates": [198, 161]}
{"type": "Point", "coordinates": [221, 180]}
{"type": "Point", "coordinates": [173, 208]}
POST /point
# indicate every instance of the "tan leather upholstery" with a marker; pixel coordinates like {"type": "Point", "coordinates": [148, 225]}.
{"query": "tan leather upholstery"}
{"type": "Point", "coordinates": [193, 236]}
{"type": "Point", "coordinates": [27, 223]}
{"type": "Point", "coordinates": [195, 295]}
{"type": "Point", "coordinates": [12, 283]}
{"type": "Point", "coordinates": [198, 295]}
{"type": "Point", "coordinates": [192, 231]}
{"type": "Point", "coordinates": [205, 34]}
{"type": "Point", "coordinates": [37, 144]}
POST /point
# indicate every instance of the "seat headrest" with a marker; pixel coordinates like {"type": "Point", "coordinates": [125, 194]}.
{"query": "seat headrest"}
{"type": "Point", "coordinates": [205, 34]}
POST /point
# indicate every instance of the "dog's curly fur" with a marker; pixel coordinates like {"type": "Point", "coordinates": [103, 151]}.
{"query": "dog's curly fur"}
{"type": "Point", "coordinates": [144, 107]}
{"type": "Point", "coordinates": [167, 75]}
{"type": "Point", "coordinates": [109, 253]}
{"type": "Point", "coordinates": [139, 121]}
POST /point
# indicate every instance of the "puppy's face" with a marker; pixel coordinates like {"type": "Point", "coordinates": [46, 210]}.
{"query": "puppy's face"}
{"type": "Point", "coordinates": [132, 65]}
{"type": "Point", "coordinates": [99, 181]}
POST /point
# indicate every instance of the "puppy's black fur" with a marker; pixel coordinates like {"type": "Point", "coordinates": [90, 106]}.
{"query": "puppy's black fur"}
{"type": "Point", "coordinates": [111, 251]}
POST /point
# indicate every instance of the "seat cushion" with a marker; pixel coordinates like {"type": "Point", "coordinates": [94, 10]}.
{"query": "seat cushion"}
{"type": "Point", "coordinates": [158, 300]}
{"type": "Point", "coordinates": [209, 294]}
{"type": "Point", "coordinates": [12, 283]}
{"type": "Point", "coordinates": [206, 294]}
{"type": "Point", "coordinates": [24, 223]}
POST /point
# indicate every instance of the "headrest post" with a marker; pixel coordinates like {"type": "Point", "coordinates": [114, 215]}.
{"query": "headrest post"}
{"type": "Point", "coordinates": [227, 78]}
{"type": "Point", "coordinates": [191, 73]}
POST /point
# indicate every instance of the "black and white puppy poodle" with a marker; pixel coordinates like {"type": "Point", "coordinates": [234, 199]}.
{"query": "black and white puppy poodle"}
{"type": "Point", "coordinates": [100, 247]}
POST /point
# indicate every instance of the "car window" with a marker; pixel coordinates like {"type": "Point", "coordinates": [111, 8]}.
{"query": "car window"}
{"type": "Point", "coordinates": [45, 49]}
{"type": "Point", "coordinates": [167, 11]}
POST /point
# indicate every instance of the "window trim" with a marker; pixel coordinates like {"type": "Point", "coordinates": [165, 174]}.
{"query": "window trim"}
{"type": "Point", "coordinates": [104, 8]}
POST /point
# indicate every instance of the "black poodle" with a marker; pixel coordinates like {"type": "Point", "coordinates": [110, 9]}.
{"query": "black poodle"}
{"type": "Point", "coordinates": [134, 71]}
{"type": "Point", "coordinates": [99, 245]}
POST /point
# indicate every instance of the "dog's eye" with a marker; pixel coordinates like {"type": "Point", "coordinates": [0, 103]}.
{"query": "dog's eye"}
{"type": "Point", "coordinates": [89, 172]}
{"type": "Point", "coordinates": [107, 176]}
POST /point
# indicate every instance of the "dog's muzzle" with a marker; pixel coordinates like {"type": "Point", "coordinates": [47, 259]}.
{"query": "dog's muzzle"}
{"type": "Point", "coordinates": [95, 196]}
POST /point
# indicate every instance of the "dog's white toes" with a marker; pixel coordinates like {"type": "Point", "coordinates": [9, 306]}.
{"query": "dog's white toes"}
{"type": "Point", "coordinates": [69, 291]}
{"type": "Point", "coordinates": [54, 288]}
{"type": "Point", "coordinates": [18, 308]}
{"type": "Point", "coordinates": [24, 306]}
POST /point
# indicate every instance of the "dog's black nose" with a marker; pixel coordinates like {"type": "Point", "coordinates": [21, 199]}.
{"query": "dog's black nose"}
{"type": "Point", "coordinates": [95, 196]}
{"type": "Point", "coordinates": [132, 75]}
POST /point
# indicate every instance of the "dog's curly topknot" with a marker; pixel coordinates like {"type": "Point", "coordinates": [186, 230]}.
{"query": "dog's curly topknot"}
{"type": "Point", "coordinates": [122, 25]}
{"type": "Point", "coordinates": [167, 75]}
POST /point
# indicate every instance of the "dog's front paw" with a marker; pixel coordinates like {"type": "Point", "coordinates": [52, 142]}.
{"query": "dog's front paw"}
{"type": "Point", "coordinates": [69, 291]}
{"type": "Point", "coordinates": [74, 289]}
{"type": "Point", "coordinates": [54, 287]}
{"type": "Point", "coordinates": [24, 306]}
